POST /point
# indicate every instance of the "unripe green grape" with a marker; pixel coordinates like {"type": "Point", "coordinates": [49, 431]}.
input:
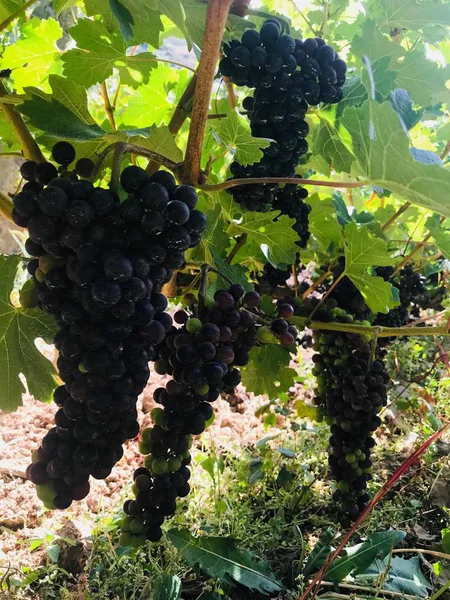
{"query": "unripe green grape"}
{"type": "Point", "coordinates": [144, 448]}
{"type": "Point", "coordinates": [202, 389]}
{"type": "Point", "coordinates": [125, 523]}
{"type": "Point", "coordinates": [146, 435]}
{"type": "Point", "coordinates": [35, 456]}
{"type": "Point", "coordinates": [174, 464]}
{"type": "Point", "coordinates": [159, 417]}
{"type": "Point", "coordinates": [265, 335]}
{"type": "Point", "coordinates": [45, 492]}
{"type": "Point", "coordinates": [28, 298]}
{"type": "Point", "coordinates": [125, 539]}
{"type": "Point", "coordinates": [47, 262]}
{"type": "Point", "coordinates": [343, 486]}
{"type": "Point", "coordinates": [350, 458]}
{"type": "Point", "coordinates": [159, 466]}
{"type": "Point", "coordinates": [187, 454]}
{"type": "Point", "coordinates": [137, 526]}
{"type": "Point", "coordinates": [358, 471]}
{"type": "Point", "coordinates": [189, 299]}
{"type": "Point", "coordinates": [193, 325]}
{"type": "Point", "coordinates": [138, 540]}
{"type": "Point", "coordinates": [39, 275]}
{"type": "Point", "coordinates": [49, 505]}
{"type": "Point", "coordinates": [148, 461]}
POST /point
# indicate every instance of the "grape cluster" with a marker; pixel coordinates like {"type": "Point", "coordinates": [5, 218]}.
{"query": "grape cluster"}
{"type": "Point", "coordinates": [351, 391]}
{"type": "Point", "coordinates": [202, 356]}
{"type": "Point", "coordinates": [98, 267]}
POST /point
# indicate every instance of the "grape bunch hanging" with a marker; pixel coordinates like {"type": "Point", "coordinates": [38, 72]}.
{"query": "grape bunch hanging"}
{"type": "Point", "coordinates": [98, 267]}
{"type": "Point", "coordinates": [288, 75]}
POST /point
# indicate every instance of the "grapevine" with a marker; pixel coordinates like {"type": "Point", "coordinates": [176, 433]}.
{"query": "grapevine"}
{"type": "Point", "coordinates": [111, 241]}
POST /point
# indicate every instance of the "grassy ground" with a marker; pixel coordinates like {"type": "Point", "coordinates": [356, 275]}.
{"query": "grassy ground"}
{"type": "Point", "coordinates": [269, 491]}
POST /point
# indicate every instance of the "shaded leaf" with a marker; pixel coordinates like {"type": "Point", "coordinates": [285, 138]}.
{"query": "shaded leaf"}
{"type": "Point", "coordinates": [374, 44]}
{"type": "Point", "coordinates": [319, 553]}
{"type": "Point", "coordinates": [19, 329]}
{"type": "Point", "coordinates": [360, 557]}
{"type": "Point", "coordinates": [221, 558]}
{"type": "Point", "coordinates": [411, 14]}
{"type": "Point", "coordinates": [323, 223]}
{"type": "Point", "coordinates": [381, 148]}
{"type": "Point", "coordinates": [166, 587]}
{"type": "Point", "coordinates": [423, 79]}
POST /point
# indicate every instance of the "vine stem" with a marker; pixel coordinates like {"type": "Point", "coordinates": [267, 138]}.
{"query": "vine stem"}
{"type": "Point", "coordinates": [315, 583]}
{"type": "Point", "coordinates": [359, 588]}
{"type": "Point", "coordinates": [376, 331]}
{"type": "Point", "coordinates": [316, 284]}
{"type": "Point", "coordinates": [119, 149]}
{"type": "Point", "coordinates": [216, 18]}
{"type": "Point", "coordinates": [394, 217]}
{"type": "Point", "coordinates": [446, 150]}
{"type": "Point", "coordinates": [161, 60]}
{"type": "Point", "coordinates": [327, 293]}
{"type": "Point", "coordinates": [230, 91]}
{"type": "Point", "coordinates": [16, 14]}
{"type": "Point", "coordinates": [417, 249]}
{"type": "Point", "coordinates": [6, 207]}
{"type": "Point", "coordinates": [241, 241]}
{"type": "Point", "coordinates": [217, 187]}
{"type": "Point", "coordinates": [108, 107]}
{"type": "Point", "coordinates": [30, 148]}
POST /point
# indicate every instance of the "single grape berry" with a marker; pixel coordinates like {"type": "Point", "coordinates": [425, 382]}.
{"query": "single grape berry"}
{"type": "Point", "coordinates": [63, 153]}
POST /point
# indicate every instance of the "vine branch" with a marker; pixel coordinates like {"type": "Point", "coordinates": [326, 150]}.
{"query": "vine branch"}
{"type": "Point", "coordinates": [394, 217]}
{"type": "Point", "coordinates": [216, 17]}
{"type": "Point", "coordinates": [108, 107]}
{"type": "Point", "coordinates": [120, 148]}
{"type": "Point", "coordinates": [241, 241]}
{"type": "Point", "coordinates": [6, 207]}
{"type": "Point", "coordinates": [30, 148]}
{"type": "Point", "coordinates": [217, 187]}
{"type": "Point", "coordinates": [373, 332]}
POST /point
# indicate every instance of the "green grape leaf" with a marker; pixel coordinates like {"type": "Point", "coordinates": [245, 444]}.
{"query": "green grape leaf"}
{"type": "Point", "coordinates": [330, 141]}
{"type": "Point", "coordinates": [99, 52]}
{"type": "Point", "coordinates": [195, 11]}
{"type": "Point", "coordinates": [276, 238]}
{"type": "Point", "coordinates": [440, 236]}
{"type": "Point", "coordinates": [71, 95]}
{"type": "Point", "coordinates": [234, 131]}
{"type": "Point", "coordinates": [61, 5]}
{"type": "Point", "coordinates": [157, 139]}
{"type": "Point", "coordinates": [381, 148]}
{"type": "Point", "coordinates": [411, 14]}
{"type": "Point", "coordinates": [103, 8]}
{"type": "Point", "coordinates": [323, 224]}
{"type": "Point", "coordinates": [423, 79]}
{"type": "Point", "coordinates": [174, 10]}
{"type": "Point", "coordinates": [166, 587]}
{"type": "Point", "coordinates": [355, 92]}
{"type": "Point", "coordinates": [124, 17]}
{"type": "Point", "coordinates": [374, 44]}
{"type": "Point", "coordinates": [147, 21]}
{"type": "Point", "coordinates": [362, 252]}
{"type": "Point", "coordinates": [32, 57]}
{"type": "Point", "coordinates": [268, 371]}
{"type": "Point", "coordinates": [9, 7]}
{"type": "Point", "coordinates": [19, 328]}
{"type": "Point", "coordinates": [50, 115]}
{"type": "Point", "coordinates": [221, 558]}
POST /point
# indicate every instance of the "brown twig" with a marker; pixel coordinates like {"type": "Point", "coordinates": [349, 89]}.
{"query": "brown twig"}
{"type": "Point", "coordinates": [108, 107]}
{"type": "Point", "coordinates": [361, 588]}
{"type": "Point", "coordinates": [217, 187]}
{"type": "Point", "coordinates": [16, 14]}
{"type": "Point", "coordinates": [394, 217]}
{"type": "Point", "coordinates": [29, 146]}
{"type": "Point", "coordinates": [327, 293]}
{"type": "Point", "coordinates": [216, 18]}
{"type": "Point", "coordinates": [230, 91]}
{"type": "Point", "coordinates": [241, 241]}
{"type": "Point", "coordinates": [316, 284]}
